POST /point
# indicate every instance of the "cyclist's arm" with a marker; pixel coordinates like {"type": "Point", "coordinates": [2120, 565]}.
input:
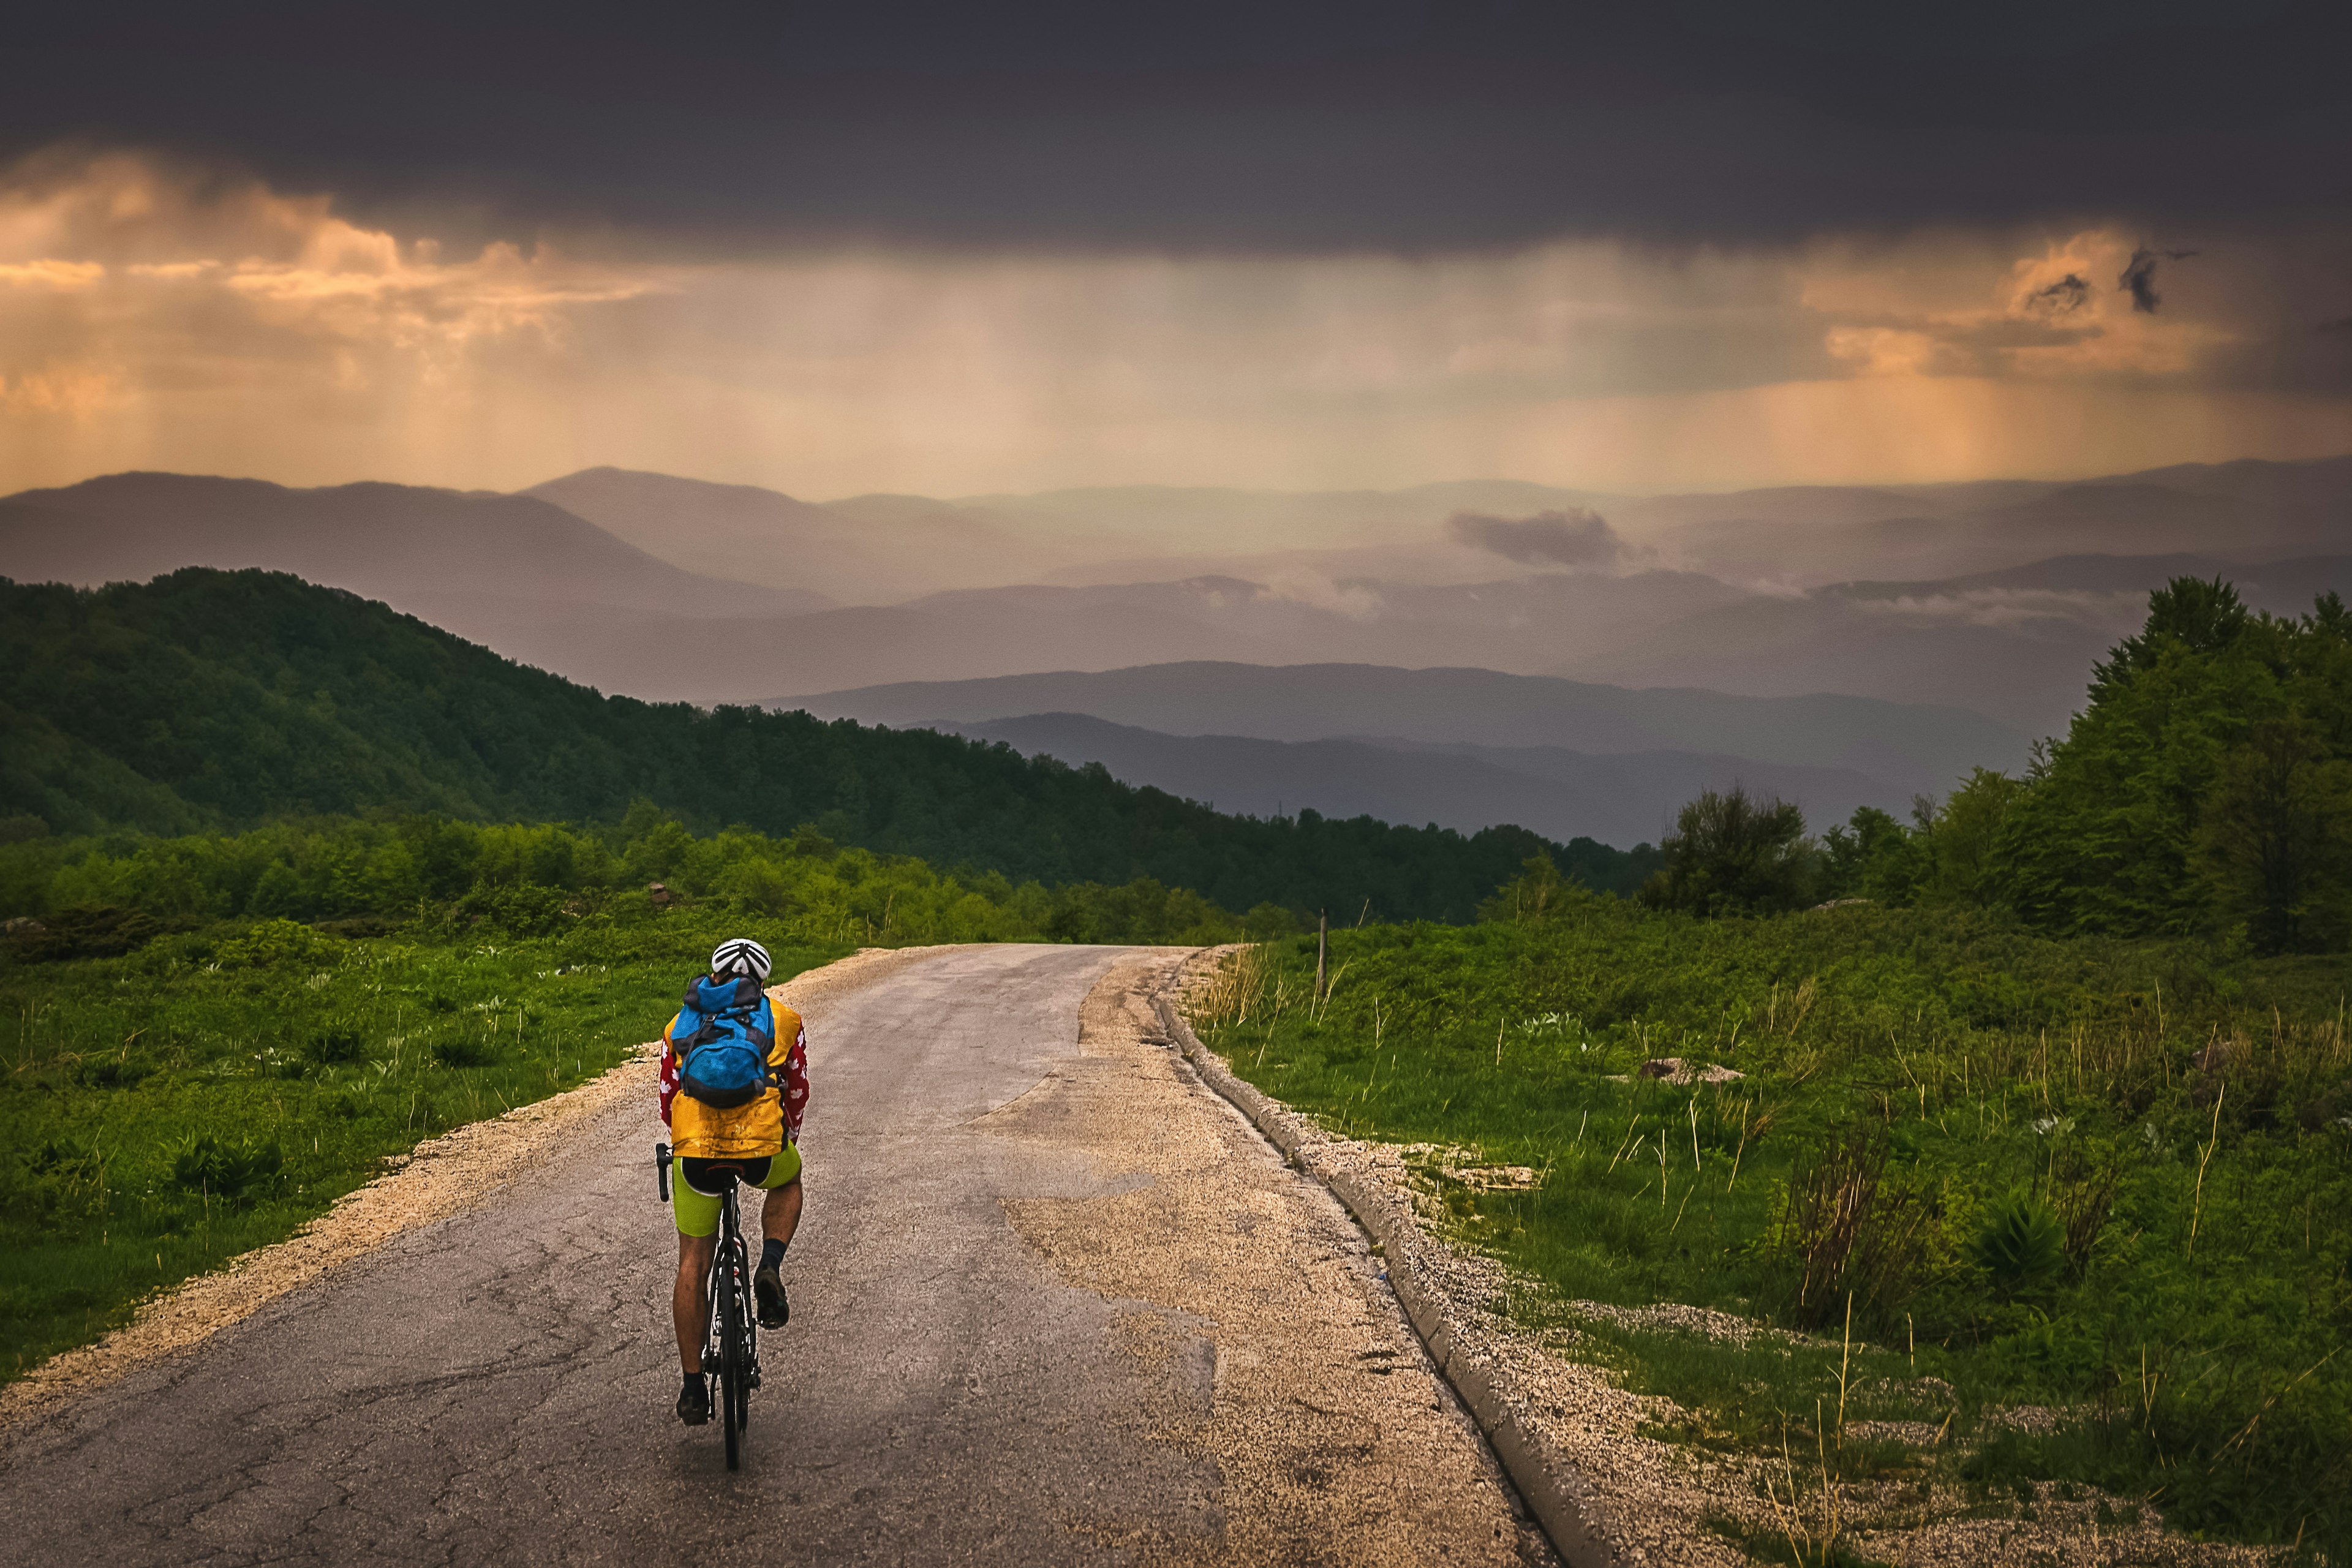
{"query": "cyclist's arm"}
{"type": "Point", "coordinates": [669, 1070]}
{"type": "Point", "coordinates": [796, 1085]}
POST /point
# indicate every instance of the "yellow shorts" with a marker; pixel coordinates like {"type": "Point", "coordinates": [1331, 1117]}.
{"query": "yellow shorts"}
{"type": "Point", "coordinates": [696, 1211]}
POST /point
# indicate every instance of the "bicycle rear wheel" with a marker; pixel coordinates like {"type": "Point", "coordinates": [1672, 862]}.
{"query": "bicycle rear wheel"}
{"type": "Point", "coordinates": [733, 1365]}
{"type": "Point", "coordinates": [747, 1347]}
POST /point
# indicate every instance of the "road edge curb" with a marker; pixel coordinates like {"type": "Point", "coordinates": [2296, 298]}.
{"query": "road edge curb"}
{"type": "Point", "coordinates": [1555, 1493]}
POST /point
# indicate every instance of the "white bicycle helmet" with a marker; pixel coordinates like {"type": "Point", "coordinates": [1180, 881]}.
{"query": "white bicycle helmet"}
{"type": "Point", "coordinates": [738, 955]}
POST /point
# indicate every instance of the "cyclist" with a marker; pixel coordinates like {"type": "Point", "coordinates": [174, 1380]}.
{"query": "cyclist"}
{"type": "Point", "coordinates": [756, 1140]}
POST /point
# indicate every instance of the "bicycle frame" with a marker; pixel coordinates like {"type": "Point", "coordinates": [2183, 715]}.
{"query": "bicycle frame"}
{"type": "Point", "coordinates": [732, 1351]}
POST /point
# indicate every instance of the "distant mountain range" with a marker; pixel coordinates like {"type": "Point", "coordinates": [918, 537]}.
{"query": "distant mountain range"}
{"type": "Point", "coordinates": [2015, 643]}
{"type": "Point", "coordinates": [1452, 746]}
{"type": "Point", "coordinates": [1977, 609]}
{"type": "Point", "coordinates": [2245, 511]}
{"type": "Point", "coordinates": [1622, 800]}
{"type": "Point", "coordinates": [470, 562]}
{"type": "Point", "coordinates": [1924, 747]}
{"type": "Point", "coordinates": [862, 554]}
{"type": "Point", "coordinates": [890, 549]}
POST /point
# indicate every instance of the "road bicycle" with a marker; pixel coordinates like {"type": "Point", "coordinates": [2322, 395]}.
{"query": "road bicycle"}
{"type": "Point", "coordinates": [731, 1357]}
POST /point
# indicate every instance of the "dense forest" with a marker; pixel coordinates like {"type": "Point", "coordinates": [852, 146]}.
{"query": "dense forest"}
{"type": "Point", "coordinates": [433, 879]}
{"type": "Point", "coordinates": [2205, 790]}
{"type": "Point", "coordinates": [206, 701]}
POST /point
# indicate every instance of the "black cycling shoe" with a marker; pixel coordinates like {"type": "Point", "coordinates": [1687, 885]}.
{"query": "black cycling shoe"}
{"type": "Point", "coordinates": [694, 1401]}
{"type": "Point", "coordinates": [768, 1284]}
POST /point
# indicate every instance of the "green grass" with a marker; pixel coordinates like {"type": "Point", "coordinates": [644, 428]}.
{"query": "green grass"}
{"type": "Point", "coordinates": [166, 1110]}
{"type": "Point", "coordinates": [2113, 1178]}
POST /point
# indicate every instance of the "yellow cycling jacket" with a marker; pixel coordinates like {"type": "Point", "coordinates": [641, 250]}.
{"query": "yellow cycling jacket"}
{"type": "Point", "coordinates": [747, 1132]}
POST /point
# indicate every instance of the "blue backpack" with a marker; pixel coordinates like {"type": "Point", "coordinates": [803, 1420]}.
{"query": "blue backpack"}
{"type": "Point", "coordinates": [724, 1031]}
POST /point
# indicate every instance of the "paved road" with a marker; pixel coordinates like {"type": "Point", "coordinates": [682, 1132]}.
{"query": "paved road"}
{"type": "Point", "coordinates": [1052, 1303]}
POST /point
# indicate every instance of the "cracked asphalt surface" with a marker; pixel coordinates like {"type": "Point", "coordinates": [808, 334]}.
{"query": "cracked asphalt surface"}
{"type": "Point", "coordinates": [1052, 1302]}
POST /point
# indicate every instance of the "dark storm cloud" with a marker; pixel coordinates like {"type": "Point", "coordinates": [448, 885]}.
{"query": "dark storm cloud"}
{"type": "Point", "coordinates": [2063, 297]}
{"type": "Point", "coordinates": [1576, 536]}
{"type": "Point", "coordinates": [1272, 125]}
{"type": "Point", "coordinates": [2138, 280]}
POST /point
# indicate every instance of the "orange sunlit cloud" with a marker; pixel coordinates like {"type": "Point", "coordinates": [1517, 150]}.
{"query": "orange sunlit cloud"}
{"type": "Point", "coordinates": [154, 316]}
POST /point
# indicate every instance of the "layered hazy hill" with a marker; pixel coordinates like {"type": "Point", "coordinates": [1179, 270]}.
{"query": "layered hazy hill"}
{"type": "Point", "coordinates": [876, 550]}
{"type": "Point", "coordinates": [1624, 799]}
{"type": "Point", "coordinates": [1945, 595]}
{"type": "Point", "coordinates": [1993, 596]}
{"type": "Point", "coordinates": [1456, 747]}
{"type": "Point", "coordinates": [472, 562]}
{"type": "Point", "coordinates": [889, 549]}
{"type": "Point", "coordinates": [1459, 707]}
{"type": "Point", "coordinates": [2242, 511]}
{"type": "Point", "coordinates": [2017, 643]}
{"type": "Point", "coordinates": [1522, 625]}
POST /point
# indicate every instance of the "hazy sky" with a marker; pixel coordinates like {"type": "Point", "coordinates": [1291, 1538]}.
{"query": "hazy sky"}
{"type": "Point", "coordinates": [957, 250]}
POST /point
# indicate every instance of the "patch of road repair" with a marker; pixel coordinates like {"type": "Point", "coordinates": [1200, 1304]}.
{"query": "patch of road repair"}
{"type": "Point", "coordinates": [1299, 1378]}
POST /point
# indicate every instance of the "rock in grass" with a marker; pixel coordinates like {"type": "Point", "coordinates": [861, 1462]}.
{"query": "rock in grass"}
{"type": "Point", "coordinates": [1674, 1069]}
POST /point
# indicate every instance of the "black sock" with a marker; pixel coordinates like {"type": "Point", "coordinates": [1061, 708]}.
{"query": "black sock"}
{"type": "Point", "coordinates": [772, 1252]}
{"type": "Point", "coordinates": [694, 1380]}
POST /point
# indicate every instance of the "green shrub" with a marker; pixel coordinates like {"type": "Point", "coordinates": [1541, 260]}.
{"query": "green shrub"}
{"type": "Point", "coordinates": [274, 942]}
{"type": "Point", "coordinates": [123, 1071]}
{"type": "Point", "coordinates": [2021, 1245]}
{"type": "Point", "coordinates": [1732, 853]}
{"type": "Point", "coordinates": [233, 1171]}
{"type": "Point", "coordinates": [105, 931]}
{"type": "Point", "coordinates": [515, 910]}
{"type": "Point", "coordinates": [333, 1045]}
{"type": "Point", "coordinates": [464, 1052]}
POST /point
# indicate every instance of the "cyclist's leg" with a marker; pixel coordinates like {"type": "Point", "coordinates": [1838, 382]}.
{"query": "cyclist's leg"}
{"type": "Point", "coordinates": [780, 1210]}
{"type": "Point", "coordinates": [689, 1303]}
{"type": "Point", "coordinates": [696, 1213]}
{"type": "Point", "coordinates": [779, 1215]}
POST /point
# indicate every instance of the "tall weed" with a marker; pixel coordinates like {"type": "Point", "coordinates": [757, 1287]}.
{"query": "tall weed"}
{"type": "Point", "coordinates": [1856, 1233]}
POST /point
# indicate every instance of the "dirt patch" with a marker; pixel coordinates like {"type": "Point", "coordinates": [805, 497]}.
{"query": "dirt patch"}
{"type": "Point", "coordinates": [443, 1176]}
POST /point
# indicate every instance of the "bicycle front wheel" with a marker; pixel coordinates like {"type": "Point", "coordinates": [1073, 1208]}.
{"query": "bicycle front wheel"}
{"type": "Point", "coordinates": [734, 1365]}
{"type": "Point", "coordinates": [747, 1359]}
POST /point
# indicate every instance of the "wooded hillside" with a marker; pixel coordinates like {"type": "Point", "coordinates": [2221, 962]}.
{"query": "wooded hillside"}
{"type": "Point", "coordinates": [207, 701]}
